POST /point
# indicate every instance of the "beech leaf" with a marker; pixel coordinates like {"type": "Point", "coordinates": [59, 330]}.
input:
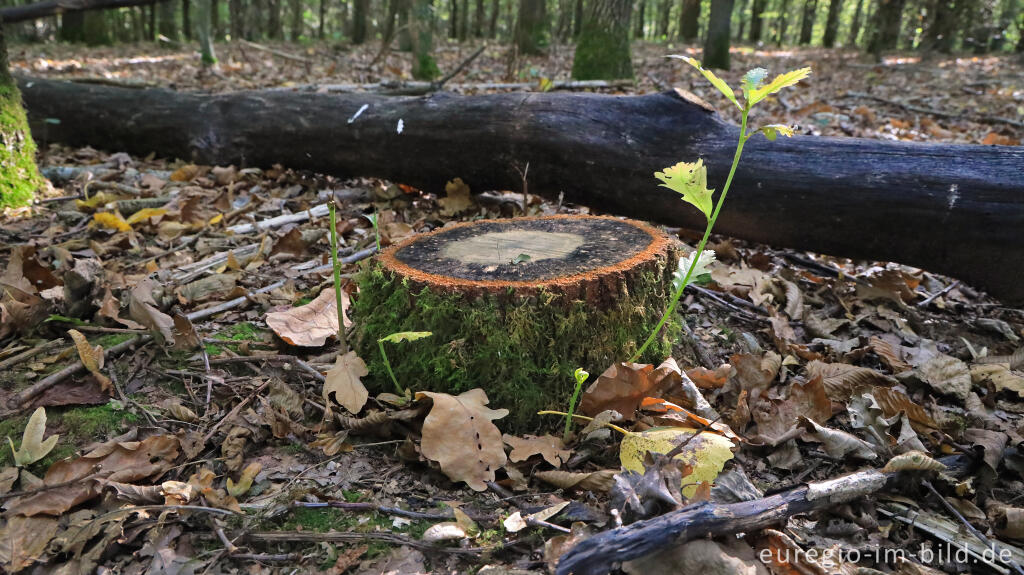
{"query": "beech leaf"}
{"type": "Point", "coordinates": [343, 382]}
{"type": "Point", "coordinates": [458, 433]}
{"type": "Point", "coordinates": [547, 446]}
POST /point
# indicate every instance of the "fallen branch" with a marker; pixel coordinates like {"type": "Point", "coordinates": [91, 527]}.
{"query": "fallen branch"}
{"type": "Point", "coordinates": [277, 53]}
{"type": "Point", "coordinates": [598, 554]}
{"type": "Point", "coordinates": [314, 212]}
{"type": "Point", "coordinates": [396, 87]}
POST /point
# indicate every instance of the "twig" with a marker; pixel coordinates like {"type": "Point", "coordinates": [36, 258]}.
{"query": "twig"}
{"type": "Point", "coordinates": [314, 212]}
{"type": "Point", "coordinates": [974, 531]}
{"type": "Point", "coordinates": [234, 411]}
{"type": "Point", "coordinates": [266, 557]}
{"type": "Point", "coordinates": [257, 358]}
{"type": "Point", "coordinates": [933, 112]}
{"type": "Point", "coordinates": [207, 312]}
{"type": "Point", "coordinates": [458, 69]}
{"type": "Point", "coordinates": [938, 294]}
{"type": "Point", "coordinates": [14, 360]}
{"type": "Point", "coordinates": [346, 536]}
{"type": "Point", "coordinates": [277, 53]}
{"type": "Point", "coordinates": [383, 510]}
{"type": "Point", "coordinates": [358, 256]}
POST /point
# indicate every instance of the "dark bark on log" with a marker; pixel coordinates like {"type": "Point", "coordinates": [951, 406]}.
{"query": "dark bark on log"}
{"type": "Point", "coordinates": [597, 555]}
{"type": "Point", "coordinates": [957, 210]}
{"type": "Point", "coordinates": [53, 7]}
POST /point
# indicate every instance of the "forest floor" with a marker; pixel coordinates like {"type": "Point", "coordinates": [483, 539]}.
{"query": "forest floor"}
{"type": "Point", "coordinates": [200, 445]}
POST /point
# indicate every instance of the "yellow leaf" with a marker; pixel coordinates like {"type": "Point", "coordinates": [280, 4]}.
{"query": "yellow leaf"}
{"type": "Point", "coordinates": [245, 481]}
{"type": "Point", "coordinates": [216, 219]}
{"type": "Point", "coordinates": [690, 180]}
{"type": "Point", "coordinates": [33, 447]}
{"type": "Point", "coordinates": [145, 214]}
{"type": "Point", "coordinates": [459, 435]}
{"type": "Point", "coordinates": [112, 221]}
{"type": "Point", "coordinates": [781, 81]}
{"type": "Point", "coordinates": [715, 80]}
{"type": "Point", "coordinates": [458, 199]}
{"type": "Point", "coordinates": [98, 199]}
{"type": "Point", "coordinates": [92, 357]}
{"type": "Point", "coordinates": [342, 383]}
{"type": "Point", "coordinates": [706, 453]}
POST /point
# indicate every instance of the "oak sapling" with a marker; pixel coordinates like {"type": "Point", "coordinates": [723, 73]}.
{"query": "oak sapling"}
{"type": "Point", "coordinates": [398, 338]}
{"type": "Point", "coordinates": [580, 375]}
{"type": "Point", "coordinates": [690, 179]}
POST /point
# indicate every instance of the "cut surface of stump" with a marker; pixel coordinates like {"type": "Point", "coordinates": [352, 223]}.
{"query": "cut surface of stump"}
{"type": "Point", "coordinates": [516, 305]}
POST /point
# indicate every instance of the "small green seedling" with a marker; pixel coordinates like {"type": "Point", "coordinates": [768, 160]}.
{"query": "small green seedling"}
{"type": "Point", "coordinates": [397, 338]}
{"type": "Point", "coordinates": [521, 259]}
{"type": "Point", "coordinates": [33, 446]}
{"type": "Point", "coordinates": [337, 273]}
{"type": "Point", "coordinates": [375, 222]}
{"type": "Point", "coordinates": [581, 376]}
{"type": "Point", "coordinates": [690, 179]}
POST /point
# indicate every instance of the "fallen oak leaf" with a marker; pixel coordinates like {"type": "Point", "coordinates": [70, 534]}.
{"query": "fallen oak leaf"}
{"type": "Point", "coordinates": [458, 433]}
{"type": "Point", "coordinates": [547, 446]}
{"type": "Point", "coordinates": [599, 481]}
{"type": "Point", "coordinates": [342, 383]}
{"type": "Point", "coordinates": [309, 325]}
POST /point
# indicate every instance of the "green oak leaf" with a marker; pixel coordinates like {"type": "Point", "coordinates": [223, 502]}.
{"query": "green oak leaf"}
{"type": "Point", "coordinates": [715, 80]}
{"type": "Point", "coordinates": [780, 82]}
{"type": "Point", "coordinates": [691, 181]}
{"type": "Point", "coordinates": [772, 131]}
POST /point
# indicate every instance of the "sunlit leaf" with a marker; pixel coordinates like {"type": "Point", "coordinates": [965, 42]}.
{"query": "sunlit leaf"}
{"type": "Point", "coordinates": [33, 446]}
{"type": "Point", "coordinates": [691, 181]}
{"type": "Point", "coordinates": [781, 81]}
{"type": "Point", "coordinates": [406, 336]}
{"type": "Point", "coordinates": [706, 453]}
{"type": "Point", "coordinates": [715, 80]}
{"type": "Point", "coordinates": [112, 221]}
{"type": "Point", "coordinates": [752, 80]}
{"type": "Point", "coordinates": [145, 214]}
{"type": "Point", "coordinates": [772, 131]}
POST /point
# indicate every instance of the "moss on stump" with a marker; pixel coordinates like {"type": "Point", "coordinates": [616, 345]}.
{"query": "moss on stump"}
{"type": "Point", "coordinates": [19, 176]}
{"type": "Point", "coordinates": [515, 306]}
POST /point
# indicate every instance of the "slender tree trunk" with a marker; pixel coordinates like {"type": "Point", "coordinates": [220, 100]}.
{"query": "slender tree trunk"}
{"type": "Point", "coordinates": [186, 19]}
{"type": "Point", "coordinates": [478, 19]}
{"type": "Point", "coordinates": [577, 22]}
{"type": "Point", "coordinates": [464, 21]}
{"type": "Point", "coordinates": [563, 26]}
{"type": "Point", "coordinates": [421, 32]}
{"type": "Point", "coordinates": [218, 30]}
{"type": "Point", "coordinates": [1019, 48]}
{"type": "Point", "coordinates": [168, 25]}
{"type": "Point", "coordinates": [19, 175]}
{"type": "Point", "coordinates": [638, 19]}
{"type": "Point", "coordinates": [780, 34]}
{"type": "Point", "coordinates": [492, 26]}
{"type": "Point", "coordinates": [602, 52]}
{"type": "Point", "coordinates": [389, 21]}
{"type": "Point", "coordinates": [531, 34]}
{"type": "Point", "coordinates": [237, 19]}
{"type": "Point", "coordinates": [886, 24]}
{"type": "Point", "coordinates": [204, 29]}
{"type": "Point", "coordinates": [321, 28]}
{"type": "Point", "coordinates": [756, 21]}
{"type": "Point", "coordinates": [851, 40]}
{"type": "Point", "coordinates": [716, 42]}
{"type": "Point", "coordinates": [663, 14]}
{"type": "Point", "coordinates": [275, 26]}
{"type": "Point", "coordinates": [151, 25]}
{"type": "Point", "coordinates": [296, 24]}
{"type": "Point", "coordinates": [360, 8]}
{"type": "Point", "coordinates": [404, 33]}
{"type": "Point", "coordinates": [835, 7]}
{"type": "Point", "coordinates": [807, 21]}
{"type": "Point", "coordinates": [72, 27]}
{"type": "Point", "coordinates": [453, 18]}
{"type": "Point", "coordinates": [941, 30]}
{"type": "Point", "coordinates": [742, 14]}
{"type": "Point", "coordinates": [689, 20]}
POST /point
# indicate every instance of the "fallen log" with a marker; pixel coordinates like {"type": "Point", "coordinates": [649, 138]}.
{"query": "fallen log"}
{"type": "Point", "coordinates": [46, 8]}
{"type": "Point", "coordinates": [957, 210]}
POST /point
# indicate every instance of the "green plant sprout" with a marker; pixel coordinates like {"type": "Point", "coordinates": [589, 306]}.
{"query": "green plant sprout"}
{"type": "Point", "coordinates": [581, 376]}
{"type": "Point", "coordinates": [374, 219]}
{"type": "Point", "coordinates": [690, 179]}
{"type": "Point", "coordinates": [337, 273]}
{"type": "Point", "coordinates": [397, 338]}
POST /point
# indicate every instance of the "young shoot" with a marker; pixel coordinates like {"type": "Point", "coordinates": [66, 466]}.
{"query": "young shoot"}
{"type": "Point", "coordinates": [689, 180]}
{"type": "Point", "coordinates": [398, 338]}
{"type": "Point", "coordinates": [337, 274]}
{"type": "Point", "coordinates": [581, 376]}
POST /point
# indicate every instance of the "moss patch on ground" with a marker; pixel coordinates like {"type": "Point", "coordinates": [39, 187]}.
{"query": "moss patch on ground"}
{"type": "Point", "coordinates": [521, 350]}
{"type": "Point", "coordinates": [77, 427]}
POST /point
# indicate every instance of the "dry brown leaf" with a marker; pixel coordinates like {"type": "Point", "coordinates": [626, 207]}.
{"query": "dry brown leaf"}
{"type": "Point", "coordinates": [840, 379]}
{"type": "Point", "coordinates": [312, 324]}
{"type": "Point", "coordinates": [458, 199]}
{"type": "Point", "coordinates": [458, 433]}
{"type": "Point", "coordinates": [23, 541]}
{"type": "Point", "coordinates": [206, 288]}
{"type": "Point", "coordinates": [893, 401]}
{"type": "Point", "coordinates": [703, 556]}
{"type": "Point", "coordinates": [889, 349]}
{"type": "Point", "coordinates": [1000, 375]}
{"type": "Point", "coordinates": [599, 481]}
{"type": "Point", "coordinates": [124, 462]}
{"type": "Point", "coordinates": [143, 309]}
{"type": "Point", "coordinates": [624, 385]}
{"type": "Point", "coordinates": [710, 379]}
{"type": "Point", "coordinates": [838, 444]}
{"type": "Point", "coordinates": [913, 460]}
{"type": "Point", "coordinates": [342, 384]}
{"type": "Point", "coordinates": [947, 375]}
{"type": "Point", "coordinates": [185, 335]}
{"type": "Point", "coordinates": [753, 373]}
{"type": "Point", "coordinates": [92, 358]}
{"type": "Point", "coordinates": [547, 446]}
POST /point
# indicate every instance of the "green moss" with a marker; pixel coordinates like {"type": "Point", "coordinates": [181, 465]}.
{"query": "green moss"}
{"type": "Point", "coordinates": [602, 54]}
{"type": "Point", "coordinates": [112, 339]}
{"type": "Point", "coordinates": [244, 331]}
{"type": "Point", "coordinates": [521, 351]}
{"type": "Point", "coordinates": [77, 426]}
{"type": "Point", "coordinates": [19, 175]}
{"type": "Point", "coordinates": [425, 67]}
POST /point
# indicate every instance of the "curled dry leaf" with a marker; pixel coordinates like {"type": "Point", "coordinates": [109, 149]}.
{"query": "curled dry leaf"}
{"type": "Point", "coordinates": [889, 349]}
{"type": "Point", "coordinates": [838, 444]}
{"type": "Point", "coordinates": [624, 385]}
{"type": "Point", "coordinates": [458, 433]}
{"type": "Point", "coordinates": [245, 481]}
{"type": "Point", "coordinates": [516, 522]}
{"type": "Point", "coordinates": [333, 443]}
{"type": "Point", "coordinates": [913, 461]}
{"type": "Point", "coordinates": [342, 384]}
{"type": "Point", "coordinates": [142, 308]}
{"type": "Point", "coordinates": [710, 379]}
{"type": "Point", "coordinates": [312, 324]}
{"type": "Point", "coordinates": [599, 481]}
{"type": "Point", "coordinates": [893, 401]}
{"type": "Point", "coordinates": [840, 379]}
{"type": "Point", "coordinates": [547, 446]}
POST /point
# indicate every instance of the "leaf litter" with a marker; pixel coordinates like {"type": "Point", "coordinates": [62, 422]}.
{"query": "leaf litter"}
{"type": "Point", "coordinates": [240, 408]}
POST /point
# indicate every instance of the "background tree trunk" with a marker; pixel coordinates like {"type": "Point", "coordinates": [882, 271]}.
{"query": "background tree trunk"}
{"type": "Point", "coordinates": [204, 29]}
{"type": "Point", "coordinates": [464, 21]}
{"type": "Point", "coordinates": [19, 175]}
{"type": "Point", "coordinates": [531, 34]}
{"type": "Point", "coordinates": [835, 7]}
{"type": "Point", "coordinates": [453, 18]}
{"type": "Point", "coordinates": [360, 10]}
{"type": "Point", "coordinates": [663, 15]}
{"type": "Point", "coordinates": [478, 19]}
{"type": "Point", "coordinates": [807, 21]}
{"type": "Point", "coordinates": [689, 19]}
{"type": "Point", "coordinates": [756, 21]}
{"type": "Point", "coordinates": [296, 24]}
{"type": "Point", "coordinates": [405, 8]}
{"type": "Point", "coordinates": [168, 27]}
{"type": "Point", "coordinates": [275, 27]}
{"type": "Point", "coordinates": [851, 40]}
{"type": "Point", "coordinates": [602, 51]}
{"type": "Point", "coordinates": [716, 42]}
{"type": "Point", "coordinates": [421, 33]}
{"type": "Point", "coordinates": [941, 30]}
{"type": "Point", "coordinates": [577, 21]}
{"type": "Point", "coordinates": [217, 28]}
{"type": "Point", "coordinates": [186, 19]}
{"type": "Point", "coordinates": [321, 29]}
{"type": "Point", "coordinates": [72, 27]}
{"type": "Point", "coordinates": [783, 19]}
{"type": "Point", "coordinates": [741, 13]}
{"type": "Point", "coordinates": [638, 20]}
{"type": "Point", "coordinates": [886, 26]}
{"type": "Point", "coordinates": [237, 19]}
{"type": "Point", "coordinates": [492, 26]}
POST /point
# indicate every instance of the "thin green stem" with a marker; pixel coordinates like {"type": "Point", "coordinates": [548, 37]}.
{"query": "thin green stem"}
{"type": "Point", "coordinates": [572, 409]}
{"type": "Point", "coordinates": [703, 241]}
{"type": "Point", "coordinates": [387, 365]}
{"type": "Point", "coordinates": [337, 278]}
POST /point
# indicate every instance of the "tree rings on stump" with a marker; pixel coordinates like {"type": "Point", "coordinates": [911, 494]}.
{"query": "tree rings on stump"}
{"type": "Point", "coordinates": [515, 306]}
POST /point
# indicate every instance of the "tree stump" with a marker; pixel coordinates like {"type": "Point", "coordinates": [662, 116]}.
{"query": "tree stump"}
{"type": "Point", "coordinates": [515, 306]}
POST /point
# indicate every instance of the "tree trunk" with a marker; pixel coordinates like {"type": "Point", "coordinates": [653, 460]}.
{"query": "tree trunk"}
{"type": "Point", "coordinates": [855, 25]}
{"type": "Point", "coordinates": [360, 9]}
{"type": "Point", "coordinates": [941, 31]}
{"type": "Point", "coordinates": [716, 42]}
{"type": "Point", "coordinates": [563, 27]}
{"type": "Point", "coordinates": [19, 176]}
{"type": "Point", "coordinates": [664, 9]}
{"type": "Point", "coordinates": [73, 8]}
{"type": "Point", "coordinates": [741, 12]}
{"type": "Point", "coordinates": [492, 26]}
{"type": "Point", "coordinates": [204, 29]}
{"type": "Point", "coordinates": [275, 27]}
{"type": "Point", "coordinates": [168, 26]}
{"type": "Point", "coordinates": [96, 31]}
{"type": "Point", "coordinates": [835, 7]}
{"type": "Point", "coordinates": [577, 21]}
{"type": "Point", "coordinates": [478, 19]}
{"type": "Point", "coordinates": [72, 27]}
{"type": "Point", "coordinates": [780, 34]}
{"type": "Point", "coordinates": [186, 19]}
{"type": "Point", "coordinates": [215, 24]}
{"type": "Point", "coordinates": [237, 19]}
{"type": "Point", "coordinates": [421, 34]}
{"type": "Point", "coordinates": [453, 18]}
{"type": "Point", "coordinates": [602, 51]}
{"type": "Point", "coordinates": [464, 21]}
{"type": "Point", "coordinates": [531, 34]}
{"type": "Point", "coordinates": [807, 21]}
{"type": "Point", "coordinates": [296, 24]}
{"type": "Point", "coordinates": [689, 18]}
{"type": "Point", "coordinates": [151, 25]}
{"type": "Point", "coordinates": [638, 20]}
{"type": "Point", "coordinates": [405, 8]}
{"type": "Point", "coordinates": [886, 26]}
{"type": "Point", "coordinates": [756, 20]}
{"type": "Point", "coordinates": [951, 209]}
